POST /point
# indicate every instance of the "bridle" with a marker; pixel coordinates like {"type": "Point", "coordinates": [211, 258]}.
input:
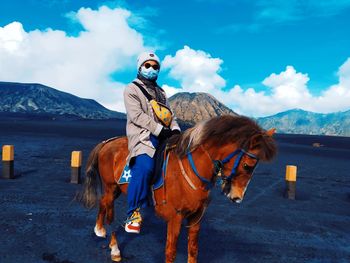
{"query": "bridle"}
{"type": "Point", "coordinates": [219, 165]}
{"type": "Point", "coordinates": [217, 173]}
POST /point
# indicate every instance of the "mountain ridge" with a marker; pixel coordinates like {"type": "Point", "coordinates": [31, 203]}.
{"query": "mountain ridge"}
{"type": "Point", "coordinates": [299, 121]}
{"type": "Point", "coordinates": [193, 107]}
{"type": "Point", "coordinates": [35, 98]}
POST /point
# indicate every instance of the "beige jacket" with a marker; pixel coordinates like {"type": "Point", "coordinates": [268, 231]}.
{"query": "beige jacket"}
{"type": "Point", "coordinates": [141, 121]}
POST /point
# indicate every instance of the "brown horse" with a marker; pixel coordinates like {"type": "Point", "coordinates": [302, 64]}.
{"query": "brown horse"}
{"type": "Point", "coordinates": [225, 148]}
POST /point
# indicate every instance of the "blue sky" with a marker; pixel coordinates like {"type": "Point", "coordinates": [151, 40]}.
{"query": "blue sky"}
{"type": "Point", "coordinates": [253, 42]}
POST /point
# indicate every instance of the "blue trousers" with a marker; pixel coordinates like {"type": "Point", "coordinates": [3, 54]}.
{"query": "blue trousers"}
{"type": "Point", "coordinates": [141, 171]}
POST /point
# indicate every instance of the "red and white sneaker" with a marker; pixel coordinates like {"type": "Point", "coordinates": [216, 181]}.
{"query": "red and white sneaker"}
{"type": "Point", "coordinates": [133, 223]}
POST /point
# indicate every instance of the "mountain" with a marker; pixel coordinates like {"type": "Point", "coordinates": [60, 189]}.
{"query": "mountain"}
{"type": "Point", "coordinates": [304, 122]}
{"type": "Point", "coordinates": [191, 108]}
{"type": "Point", "coordinates": [37, 99]}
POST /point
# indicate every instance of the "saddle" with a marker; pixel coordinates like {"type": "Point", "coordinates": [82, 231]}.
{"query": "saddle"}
{"type": "Point", "coordinates": [160, 158]}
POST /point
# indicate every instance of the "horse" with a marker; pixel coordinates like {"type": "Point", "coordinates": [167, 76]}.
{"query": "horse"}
{"type": "Point", "coordinates": [223, 150]}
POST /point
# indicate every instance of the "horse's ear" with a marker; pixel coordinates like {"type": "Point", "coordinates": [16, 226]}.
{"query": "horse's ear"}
{"type": "Point", "coordinates": [271, 132]}
{"type": "Point", "coordinates": [255, 141]}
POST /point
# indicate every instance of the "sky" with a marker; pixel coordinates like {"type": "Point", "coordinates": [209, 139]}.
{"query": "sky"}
{"type": "Point", "coordinates": [257, 57]}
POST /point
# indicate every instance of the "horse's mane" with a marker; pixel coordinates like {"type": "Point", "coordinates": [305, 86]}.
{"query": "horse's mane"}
{"type": "Point", "coordinates": [224, 129]}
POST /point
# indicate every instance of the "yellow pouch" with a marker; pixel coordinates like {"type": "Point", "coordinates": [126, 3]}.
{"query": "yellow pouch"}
{"type": "Point", "coordinates": [162, 112]}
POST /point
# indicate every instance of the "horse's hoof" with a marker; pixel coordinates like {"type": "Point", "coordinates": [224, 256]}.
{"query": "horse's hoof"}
{"type": "Point", "coordinates": [116, 258]}
{"type": "Point", "coordinates": [100, 232]}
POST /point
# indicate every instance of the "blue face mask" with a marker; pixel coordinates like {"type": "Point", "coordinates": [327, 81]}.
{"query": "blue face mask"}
{"type": "Point", "coordinates": [149, 73]}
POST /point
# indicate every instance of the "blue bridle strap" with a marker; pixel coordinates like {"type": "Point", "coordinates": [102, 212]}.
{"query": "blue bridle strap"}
{"type": "Point", "coordinates": [231, 155]}
{"type": "Point", "coordinates": [239, 153]}
{"type": "Point", "coordinates": [235, 165]}
{"type": "Point", "coordinates": [208, 183]}
{"type": "Point", "coordinates": [250, 154]}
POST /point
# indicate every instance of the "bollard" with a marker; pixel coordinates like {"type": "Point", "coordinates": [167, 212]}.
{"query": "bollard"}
{"type": "Point", "coordinates": [291, 178]}
{"type": "Point", "coordinates": [8, 162]}
{"type": "Point", "coordinates": [76, 167]}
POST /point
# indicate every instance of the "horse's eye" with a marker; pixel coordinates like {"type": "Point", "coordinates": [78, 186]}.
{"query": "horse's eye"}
{"type": "Point", "coordinates": [247, 167]}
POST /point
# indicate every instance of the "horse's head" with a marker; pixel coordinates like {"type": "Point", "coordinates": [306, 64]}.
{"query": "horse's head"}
{"type": "Point", "coordinates": [235, 144]}
{"type": "Point", "coordinates": [238, 171]}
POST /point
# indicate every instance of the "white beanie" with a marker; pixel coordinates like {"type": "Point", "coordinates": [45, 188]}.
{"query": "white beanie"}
{"type": "Point", "coordinates": [144, 56]}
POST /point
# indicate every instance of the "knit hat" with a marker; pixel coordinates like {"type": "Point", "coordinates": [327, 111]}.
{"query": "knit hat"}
{"type": "Point", "coordinates": [144, 56]}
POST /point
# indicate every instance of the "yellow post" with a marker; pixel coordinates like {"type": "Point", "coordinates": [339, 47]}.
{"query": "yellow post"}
{"type": "Point", "coordinates": [291, 173]}
{"type": "Point", "coordinates": [76, 159]}
{"type": "Point", "coordinates": [8, 161]}
{"type": "Point", "coordinates": [291, 178]}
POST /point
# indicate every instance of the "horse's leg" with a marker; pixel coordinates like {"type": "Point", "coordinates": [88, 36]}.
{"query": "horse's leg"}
{"type": "Point", "coordinates": [106, 207]}
{"type": "Point", "coordinates": [99, 229]}
{"type": "Point", "coordinates": [193, 232]}
{"type": "Point", "coordinates": [174, 226]}
{"type": "Point", "coordinates": [110, 197]}
{"type": "Point", "coordinates": [113, 245]}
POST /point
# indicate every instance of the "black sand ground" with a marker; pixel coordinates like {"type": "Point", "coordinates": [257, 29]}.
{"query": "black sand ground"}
{"type": "Point", "coordinates": [40, 223]}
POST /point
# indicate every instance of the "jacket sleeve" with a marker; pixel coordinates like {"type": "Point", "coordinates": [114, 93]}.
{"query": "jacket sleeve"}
{"type": "Point", "coordinates": [173, 125]}
{"type": "Point", "coordinates": [137, 115]}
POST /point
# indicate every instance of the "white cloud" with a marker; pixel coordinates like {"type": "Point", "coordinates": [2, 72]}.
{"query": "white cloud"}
{"type": "Point", "coordinates": [11, 36]}
{"type": "Point", "coordinates": [170, 91]}
{"type": "Point", "coordinates": [196, 70]}
{"type": "Point", "coordinates": [80, 65]}
{"type": "Point", "coordinates": [336, 97]}
{"type": "Point", "coordinates": [289, 90]}
{"type": "Point", "coordinates": [199, 71]}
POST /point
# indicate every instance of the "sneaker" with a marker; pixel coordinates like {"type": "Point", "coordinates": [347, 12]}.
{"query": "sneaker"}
{"type": "Point", "coordinates": [133, 223]}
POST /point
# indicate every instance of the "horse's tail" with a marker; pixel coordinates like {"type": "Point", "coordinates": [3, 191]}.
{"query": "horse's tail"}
{"type": "Point", "coordinates": [90, 193]}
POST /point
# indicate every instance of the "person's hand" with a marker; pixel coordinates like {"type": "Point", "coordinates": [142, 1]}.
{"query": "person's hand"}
{"type": "Point", "coordinates": [165, 133]}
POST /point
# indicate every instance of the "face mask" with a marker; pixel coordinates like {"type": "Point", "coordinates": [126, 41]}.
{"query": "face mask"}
{"type": "Point", "coordinates": [149, 73]}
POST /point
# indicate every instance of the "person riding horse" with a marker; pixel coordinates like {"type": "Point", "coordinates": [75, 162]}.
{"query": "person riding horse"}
{"type": "Point", "coordinates": [149, 121]}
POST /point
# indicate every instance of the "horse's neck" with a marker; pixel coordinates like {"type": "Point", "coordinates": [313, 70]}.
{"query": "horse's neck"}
{"type": "Point", "coordinates": [203, 162]}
